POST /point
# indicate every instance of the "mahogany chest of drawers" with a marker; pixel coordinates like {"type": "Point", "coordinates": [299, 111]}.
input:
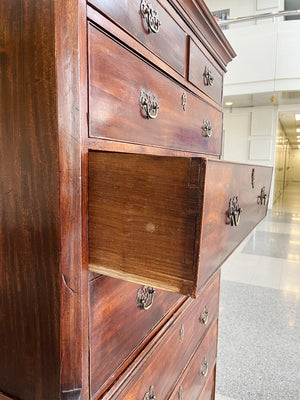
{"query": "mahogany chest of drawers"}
{"type": "Point", "coordinates": [117, 212]}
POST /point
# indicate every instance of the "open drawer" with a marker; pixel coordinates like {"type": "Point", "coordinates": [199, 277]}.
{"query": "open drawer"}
{"type": "Point", "coordinates": [170, 222]}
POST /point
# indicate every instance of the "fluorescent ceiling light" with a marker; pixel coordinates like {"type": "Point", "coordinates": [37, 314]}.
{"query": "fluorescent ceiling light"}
{"type": "Point", "coordinates": [297, 116]}
{"type": "Point", "coordinates": [298, 130]}
{"type": "Point", "coordinates": [229, 103]}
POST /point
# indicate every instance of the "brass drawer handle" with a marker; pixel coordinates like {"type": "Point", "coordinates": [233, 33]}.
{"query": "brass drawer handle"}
{"type": "Point", "coordinates": [207, 128]}
{"type": "Point", "coordinates": [145, 297]}
{"type": "Point", "coordinates": [204, 367]}
{"type": "Point", "coordinates": [208, 77]}
{"type": "Point", "coordinates": [204, 316]}
{"type": "Point", "coordinates": [262, 198]}
{"type": "Point", "coordinates": [148, 104]}
{"type": "Point", "coordinates": [150, 394]}
{"type": "Point", "coordinates": [151, 17]}
{"type": "Point", "coordinates": [234, 211]}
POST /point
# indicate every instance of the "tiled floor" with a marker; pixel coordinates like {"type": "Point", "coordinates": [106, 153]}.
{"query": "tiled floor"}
{"type": "Point", "coordinates": [259, 328]}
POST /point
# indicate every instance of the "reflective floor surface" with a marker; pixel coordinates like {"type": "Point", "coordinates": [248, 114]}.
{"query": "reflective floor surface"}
{"type": "Point", "coordinates": [259, 325]}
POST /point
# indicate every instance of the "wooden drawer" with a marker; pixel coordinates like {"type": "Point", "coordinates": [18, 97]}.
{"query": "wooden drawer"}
{"type": "Point", "coordinates": [117, 90]}
{"type": "Point", "coordinates": [163, 364]}
{"type": "Point", "coordinates": [151, 25]}
{"type": "Point", "coordinates": [163, 221]}
{"type": "Point", "coordinates": [118, 326]}
{"type": "Point", "coordinates": [203, 74]}
{"type": "Point", "coordinates": [198, 381]}
{"type": "Point", "coordinates": [208, 392]}
{"type": "Point", "coordinates": [223, 181]}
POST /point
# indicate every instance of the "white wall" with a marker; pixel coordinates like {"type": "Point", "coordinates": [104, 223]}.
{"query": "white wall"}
{"type": "Point", "coordinates": [268, 59]}
{"type": "Point", "coordinates": [268, 54]}
{"type": "Point", "coordinates": [245, 8]}
{"type": "Point", "coordinates": [250, 136]}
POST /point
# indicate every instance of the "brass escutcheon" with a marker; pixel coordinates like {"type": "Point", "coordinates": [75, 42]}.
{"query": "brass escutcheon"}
{"type": "Point", "coordinates": [204, 367]}
{"type": "Point", "coordinates": [184, 101]}
{"type": "Point", "coordinates": [181, 332]}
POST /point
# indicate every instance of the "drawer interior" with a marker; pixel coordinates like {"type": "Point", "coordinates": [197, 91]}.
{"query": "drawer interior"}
{"type": "Point", "coordinates": [164, 221]}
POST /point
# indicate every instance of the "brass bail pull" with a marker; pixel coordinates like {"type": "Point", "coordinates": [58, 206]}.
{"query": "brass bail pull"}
{"type": "Point", "coordinates": [145, 297]}
{"type": "Point", "coordinates": [262, 198]}
{"type": "Point", "coordinates": [148, 103]}
{"type": "Point", "coordinates": [234, 211]}
{"type": "Point", "coordinates": [151, 17]}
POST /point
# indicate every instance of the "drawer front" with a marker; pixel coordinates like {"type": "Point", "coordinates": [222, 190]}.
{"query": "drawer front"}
{"type": "Point", "coordinates": [122, 108]}
{"type": "Point", "coordinates": [199, 378]}
{"type": "Point", "coordinates": [204, 75]}
{"type": "Point", "coordinates": [162, 367]}
{"type": "Point", "coordinates": [120, 322]}
{"type": "Point", "coordinates": [208, 392]}
{"type": "Point", "coordinates": [224, 181]}
{"type": "Point", "coordinates": [151, 25]}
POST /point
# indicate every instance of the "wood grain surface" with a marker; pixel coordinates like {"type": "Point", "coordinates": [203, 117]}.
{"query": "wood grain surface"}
{"type": "Point", "coordinates": [114, 95]}
{"type": "Point", "coordinates": [128, 15]}
{"type": "Point", "coordinates": [29, 245]}
{"type": "Point", "coordinates": [143, 213]}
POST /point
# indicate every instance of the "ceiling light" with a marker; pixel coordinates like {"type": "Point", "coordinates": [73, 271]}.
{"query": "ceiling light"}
{"type": "Point", "coordinates": [297, 116]}
{"type": "Point", "coordinates": [298, 137]}
{"type": "Point", "coordinates": [298, 130]}
{"type": "Point", "coordinates": [229, 103]}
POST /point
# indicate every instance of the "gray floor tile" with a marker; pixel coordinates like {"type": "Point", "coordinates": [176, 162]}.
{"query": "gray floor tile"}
{"type": "Point", "coordinates": [259, 343]}
{"type": "Point", "coordinates": [281, 245]}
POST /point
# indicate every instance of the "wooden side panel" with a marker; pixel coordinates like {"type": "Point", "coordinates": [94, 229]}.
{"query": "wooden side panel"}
{"type": "Point", "coordinates": [224, 181]}
{"type": "Point", "coordinates": [29, 190]}
{"type": "Point", "coordinates": [126, 326]}
{"type": "Point", "coordinates": [128, 15]}
{"type": "Point", "coordinates": [116, 79]}
{"type": "Point", "coordinates": [71, 67]}
{"type": "Point", "coordinates": [142, 219]}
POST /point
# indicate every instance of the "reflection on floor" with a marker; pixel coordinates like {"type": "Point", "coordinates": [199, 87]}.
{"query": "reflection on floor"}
{"type": "Point", "coordinates": [259, 326]}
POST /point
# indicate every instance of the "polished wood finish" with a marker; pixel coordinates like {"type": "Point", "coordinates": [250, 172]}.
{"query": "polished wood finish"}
{"type": "Point", "coordinates": [126, 329]}
{"type": "Point", "coordinates": [223, 181]}
{"type": "Point", "coordinates": [40, 287]}
{"type": "Point", "coordinates": [114, 93]}
{"type": "Point", "coordinates": [198, 63]}
{"type": "Point", "coordinates": [128, 15]}
{"type": "Point", "coordinates": [165, 360]}
{"type": "Point", "coordinates": [71, 76]}
{"type": "Point", "coordinates": [208, 392]}
{"type": "Point", "coordinates": [151, 223]}
{"type": "Point", "coordinates": [29, 249]}
{"type": "Point", "coordinates": [201, 21]}
{"type": "Point", "coordinates": [193, 383]}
